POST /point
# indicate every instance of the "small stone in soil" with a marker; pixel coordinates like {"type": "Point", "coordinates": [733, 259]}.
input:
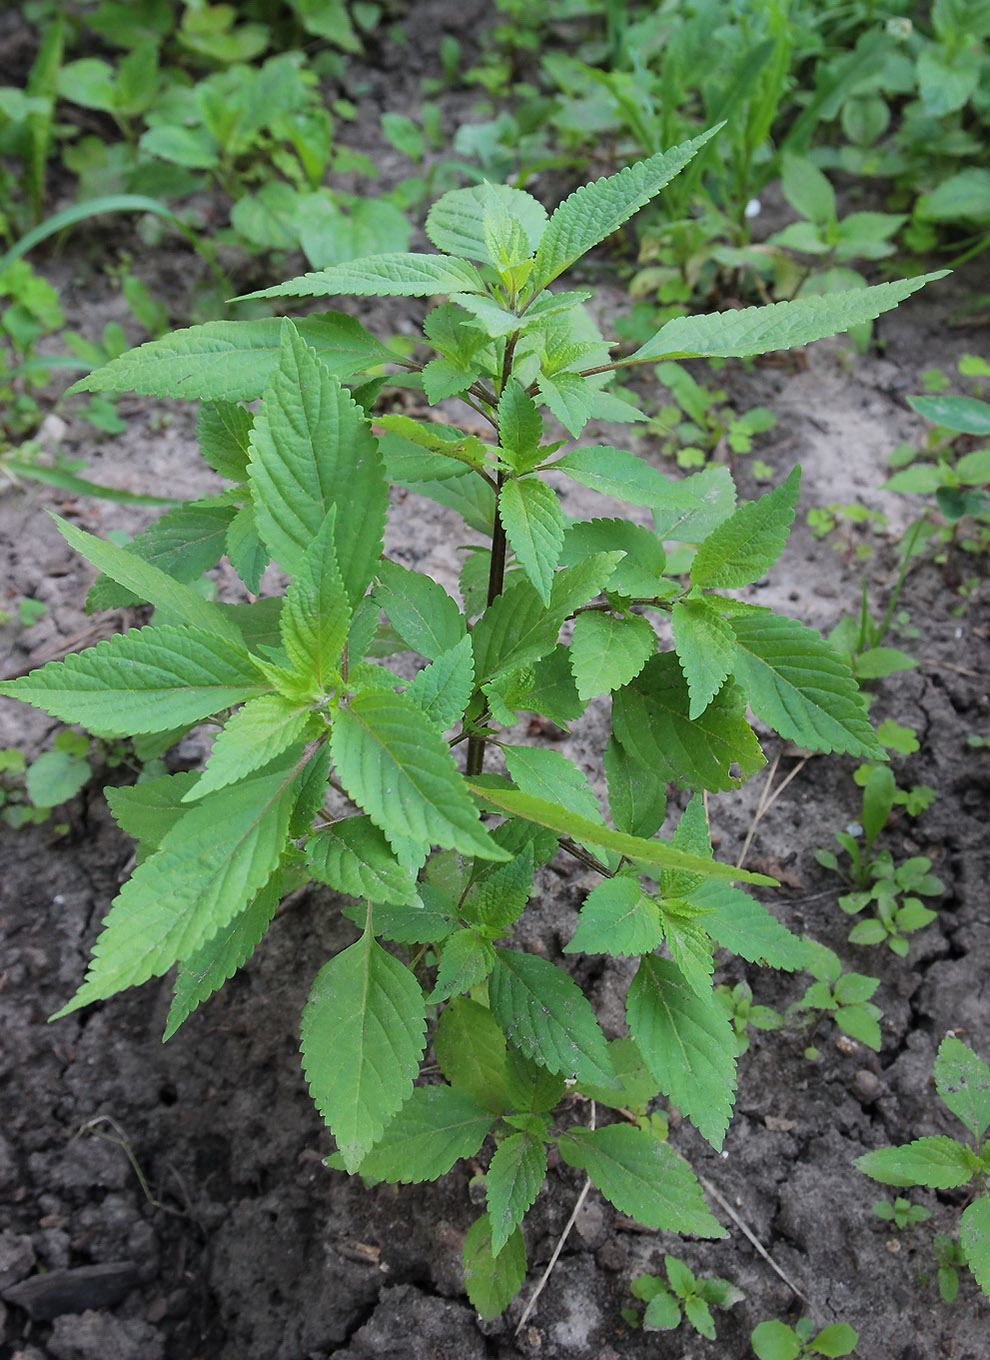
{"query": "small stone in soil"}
{"type": "Point", "coordinates": [48, 1296]}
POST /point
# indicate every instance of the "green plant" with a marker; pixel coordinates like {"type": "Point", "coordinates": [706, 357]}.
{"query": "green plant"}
{"type": "Point", "coordinates": [712, 428]}
{"type": "Point", "coordinates": [962, 1080]}
{"type": "Point", "coordinates": [949, 1255]}
{"type": "Point", "coordinates": [845, 997]}
{"type": "Point", "coordinates": [738, 1001]}
{"type": "Point", "coordinates": [329, 765]}
{"type": "Point", "coordinates": [847, 522]}
{"type": "Point", "coordinates": [688, 1294]}
{"type": "Point", "coordinates": [50, 780]}
{"type": "Point", "coordinates": [901, 1212]}
{"type": "Point", "coordinates": [776, 1341]}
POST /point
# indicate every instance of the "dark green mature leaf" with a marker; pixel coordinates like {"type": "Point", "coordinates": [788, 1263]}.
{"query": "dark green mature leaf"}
{"type": "Point", "coordinates": [962, 1079]}
{"type": "Point", "coordinates": [738, 922]}
{"type": "Point", "coordinates": [643, 1178]}
{"type": "Point", "coordinates": [147, 680]}
{"type": "Point", "coordinates": [514, 1178]}
{"type": "Point", "coordinates": [491, 1281]}
{"type": "Point", "coordinates": [974, 1237]}
{"type": "Point", "coordinates": [939, 1162]}
{"type": "Point", "coordinates": [393, 764]}
{"type": "Point", "coordinates": [421, 611]}
{"type": "Point", "coordinates": [706, 650]}
{"type": "Point", "coordinates": [391, 275]}
{"type": "Point", "coordinates": [782, 325]}
{"type": "Point", "coordinates": [534, 525]}
{"type": "Point", "coordinates": [223, 431]}
{"type": "Point", "coordinates": [363, 1034]}
{"type": "Point", "coordinates": [311, 448]}
{"type": "Point", "coordinates": [470, 1049]}
{"type": "Point", "coordinates": [799, 686]}
{"type": "Point", "coordinates": [231, 361]}
{"type": "Point", "coordinates": [211, 864]}
{"type": "Point", "coordinates": [617, 919]}
{"type": "Point", "coordinates": [688, 1043]}
{"type": "Point", "coordinates": [436, 1127]}
{"type": "Point", "coordinates": [745, 546]}
{"type": "Point", "coordinates": [546, 1014]}
{"type": "Point", "coordinates": [596, 210]}
{"type": "Point", "coordinates": [607, 651]}
{"type": "Point", "coordinates": [651, 717]}
{"type": "Point", "coordinates": [637, 795]}
{"type": "Point", "coordinates": [354, 857]}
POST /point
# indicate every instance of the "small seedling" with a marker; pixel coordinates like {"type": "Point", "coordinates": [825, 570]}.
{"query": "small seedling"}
{"type": "Point", "coordinates": [774, 1340]}
{"type": "Point", "coordinates": [688, 1295]}
{"type": "Point", "coordinates": [848, 523]}
{"type": "Point", "coordinates": [901, 1212]}
{"type": "Point", "coordinates": [738, 1001]}
{"type": "Point", "coordinates": [30, 792]}
{"type": "Point", "coordinates": [843, 996]}
{"type": "Point", "coordinates": [949, 1256]}
{"type": "Point", "coordinates": [701, 425]}
{"type": "Point", "coordinates": [962, 1080]}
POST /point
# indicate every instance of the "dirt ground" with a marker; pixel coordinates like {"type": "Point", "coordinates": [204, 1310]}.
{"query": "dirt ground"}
{"type": "Point", "coordinates": [170, 1202]}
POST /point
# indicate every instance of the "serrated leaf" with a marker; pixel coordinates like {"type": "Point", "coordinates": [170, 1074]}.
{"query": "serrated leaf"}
{"type": "Point", "coordinates": [641, 570]}
{"type": "Point", "coordinates": [424, 924]}
{"type": "Point", "coordinates": [570, 399]}
{"type": "Point", "coordinates": [233, 360]}
{"type": "Point", "coordinates": [534, 525]}
{"type": "Point", "coordinates": [607, 652]}
{"type": "Point", "coordinates": [316, 614]}
{"type": "Point", "coordinates": [391, 275]}
{"type": "Point", "coordinates": [184, 543]}
{"type": "Point", "coordinates": [706, 650]}
{"type": "Point", "coordinates": [436, 1127]}
{"type": "Point", "coordinates": [443, 688]}
{"type": "Point", "coordinates": [223, 431]}
{"type": "Point", "coordinates": [465, 960]}
{"type": "Point", "coordinates": [662, 1314]}
{"type": "Point", "coordinates": [616, 918]}
{"type": "Point", "coordinates": [596, 210]}
{"type": "Point", "coordinates": [781, 325]}
{"type": "Point", "coordinates": [616, 472]}
{"type": "Point", "coordinates": [311, 448]}
{"type": "Point", "coordinates": [545, 1013]}
{"type": "Point", "coordinates": [147, 811]}
{"type": "Point", "coordinates": [253, 736]}
{"type": "Point", "coordinates": [939, 1162]}
{"type": "Point", "coordinates": [353, 857]}
{"type": "Point", "coordinates": [470, 1049]}
{"type": "Point", "coordinates": [637, 795]}
{"type": "Point", "coordinates": [491, 1281]}
{"type": "Point", "coordinates": [520, 428]}
{"type": "Point", "coordinates": [738, 922]}
{"type": "Point", "coordinates": [974, 1237]}
{"type": "Point", "coordinates": [745, 546]}
{"type": "Point", "coordinates": [393, 764]}
{"type": "Point", "coordinates": [146, 680]}
{"type": "Point", "coordinates": [455, 223]}
{"type": "Point", "coordinates": [637, 1086]}
{"type": "Point", "coordinates": [205, 971]}
{"type": "Point", "coordinates": [962, 1079]}
{"type": "Point", "coordinates": [651, 718]}
{"type": "Point", "coordinates": [363, 1034]}
{"type": "Point", "coordinates": [695, 506]}
{"type": "Point", "coordinates": [532, 1088]}
{"type": "Point", "coordinates": [421, 611]}
{"type": "Point", "coordinates": [799, 686]}
{"type": "Point", "coordinates": [248, 555]}
{"type": "Point", "coordinates": [514, 1178]}
{"type": "Point", "coordinates": [687, 1042]}
{"type": "Point", "coordinates": [644, 1179]}
{"type": "Point", "coordinates": [498, 899]}
{"type": "Point", "coordinates": [549, 775]}
{"type": "Point", "coordinates": [211, 864]}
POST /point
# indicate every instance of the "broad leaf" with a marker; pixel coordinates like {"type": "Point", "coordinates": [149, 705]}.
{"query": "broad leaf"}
{"type": "Point", "coordinates": [641, 570]}
{"type": "Point", "coordinates": [470, 1049]}
{"type": "Point", "coordinates": [455, 223]}
{"type": "Point", "coordinates": [311, 448]}
{"type": "Point", "coordinates": [782, 325]}
{"type": "Point", "coordinates": [939, 1162]}
{"type": "Point", "coordinates": [354, 857]}
{"type": "Point", "coordinates": [570, 398]}
{"type": "Point", "coordinates": [443, 689]}
{"type": "Point", "coordinates": [534, 525]}
{"type": "Point", "coordinates": [616, 472]}
{"type": "Point", "coordinates": [147, 811]}
{"type": "Point", "coordinates": [253, 736]}
{"type": "Point", "coordinates": [607, 651]}
{"type": "Point", "coordinates": [421, 611]}
{"type": "Point", "coordinates": [223, 431]}
{"type": "Point", "coordinates": [491, 1281]}
{"type": "Point", "coordinates": [436, 1127]}
{"type": "Point", "coordinates": [363, 1033]}
{"type": "Point", "coordinates": [687, 1042]}
{"type": "Point", "coordinates": [799, 686]}
{"type": "Point", "coordinates": [745, 546]}
{"type": "Point", "coordinates": [546, 1014]}
{"type": "Point", "coordinates": [391, 275]}
{"type": "Point", "coordinates": [974, 1237]}
{"type": "Point", "coordinates": [394, 765]}
{"type": "Point", "coordinates": [465, 960]}
{"type": "Point", "coordinates": [514, 1178]}
{"type": "Point", "coordinates": [549, 775]}
{"type": "Point", "coordinates": [962, 1079]}
{"type": "Point", "coordinates": [617, 919]}
{"type": "Point", "coordinates": [637, 795]}
{"type": "Point", "coordinates": [643, 1178]}
{"type": "Point", "coordinates": [146, 680]}
{"type": "Point", "coordinates": [317, 613]}
{"type": "Point", "coordinates": [706, 649]}
{"type": "Point", "coordinates": [738, 922]}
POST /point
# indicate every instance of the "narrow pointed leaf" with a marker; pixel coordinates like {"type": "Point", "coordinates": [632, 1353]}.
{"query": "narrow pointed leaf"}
{"type": "Point", "coordinates": [514, 1179]}
{"type": "Point", "coordinates": [737, 922]}
{"type": "Point", "coordinates": [706, 649]}
{"type": "Point", "coordinates": [491, 1281]}
{"type": "Point", "coordinates": [939, 1162]}
{"type": "Point", "coordinates": [745, 546]}
{"type": "Point", "coordinates": [317, 613]}
{"type": "Point", "coordinates": [962, 1079]}
{"type": "Point", "coordinates": [253, 736]}
{"type": "Point", "coordinates": [390, 275]}
{"type": "Point", "coordinates": [534, 525]}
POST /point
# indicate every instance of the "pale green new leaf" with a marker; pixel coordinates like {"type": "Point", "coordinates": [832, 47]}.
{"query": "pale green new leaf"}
{"type": "Point", "coordinates": [534, 525]}
{"type": "Point", "coordinates": [799, 686]}
{"type": "Point", "coordinates": [436, 1127]}
{"type": "Point", "coordinates": [311, 448]}
{"type": "Point", "coordinates": [391, 275]}
{"type": "Point", "coordinates": [745, 546]}
{"type": "Point", "coordinates": [455, 223]}
{"type": "Point", "coordinates": [607, 652]}
{"type": "Point", "coordinates": [706, 650]}
{"type": "Point", "coordinates": [211, 864]}
{"type": "Point", "coordinates": [782, 325]}
{"type": "Point", "coordinates": [421, 611]}
{"type": "Point", "coordinates": [146, 680]}
{"type": "Point", "coordinates": [213, 963]}
{"type": "Point", "coordinates": [596, 210]}
{"type": "Point", "coordinates": [470, 1049]}
{"type": "Point", "coordinates": [465, 960]}
{"type": "Point", "coordinates": [443, 688]}
{"type": "Point", "coordinates": [363, 1034]}
{"type": "Point", "coordinates": [974, 1236]}
{"type": "Point", "coordinates": [317, 613]}
{"type": "Point", "coordinates": [233, 360]}
{"type": "Point", "coordinates": [642, 1177]}
{"type": "Point", "coordinates": [939, 1162]}
{"type": "Point", "coordinates": [617, 919]}
{"type": "Point", "coordinates": [962, 1079]}
{"type": "Point", "coordinates": [514, 1178]}
{"type": "Point", "coordinates": [394, 765]}
{"type": "Point", "coordinates": [545, 1014]}
{"type": "Point", "coordinates": [354, 857]}
{"type": "Point", "coordinates": [491, 1281]}
{"type": "Point", "coordinates": [687, 1042]}
{"type": "Point", "coordinates": [253, 736]}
